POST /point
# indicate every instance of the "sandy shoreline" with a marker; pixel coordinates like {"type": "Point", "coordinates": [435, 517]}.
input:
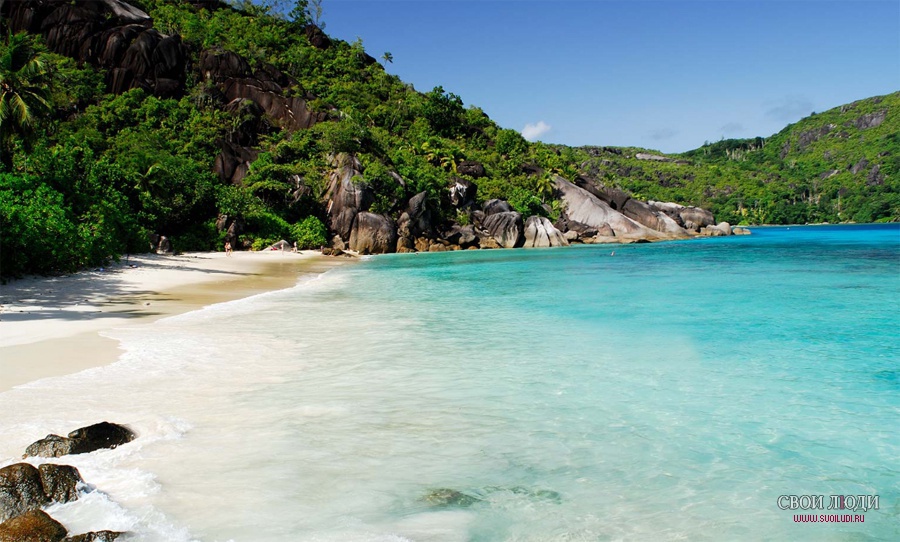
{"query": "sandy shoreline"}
{"type": "Point", "coordinates": [50, 326]}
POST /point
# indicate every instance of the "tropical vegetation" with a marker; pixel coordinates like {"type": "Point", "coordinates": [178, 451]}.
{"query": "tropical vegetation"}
{"type": "Point", "coordinates": [88, 175]}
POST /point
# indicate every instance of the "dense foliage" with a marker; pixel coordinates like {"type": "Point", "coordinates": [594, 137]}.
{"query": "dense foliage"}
{"type": "Point", "coordinates": [88, 175]}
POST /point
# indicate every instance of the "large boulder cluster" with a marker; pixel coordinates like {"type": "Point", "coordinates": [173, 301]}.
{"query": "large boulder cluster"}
{"type": "Point", "coordinates": [106, 33]}
{"type": "Point", "coordinates": [25, 489]}
{"type": "Point", "coordinates": [591, 213]}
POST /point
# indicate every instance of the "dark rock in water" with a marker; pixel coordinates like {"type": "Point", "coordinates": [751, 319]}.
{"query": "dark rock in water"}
{"type": "Point", "coordinates": [96, 536]}
{"type": "Point", "coordinates": [82, 441]}
{"type": "Point", "coordinates": [100, 435]}
{"type": "Point", "coordinates": [462, 193]}
{"type": "Point", "coordinates": [444, 497]}
{"type": "Point", "coordinates": [494, 206]}
{"type": "Point", "coordinates": [373, 234]}
{"type": "Point", "coordinates": [32, 526]}
{"type": "Point", "coordinates": [21, 490]}
{"type": "Point", "coordinates": [539, 232]}
{"type": "Point", "coordinates": [49, 446]}
{"type": "Point", "coordinates": [60, 482]}
{"type": "Point", "coordinates": [506, 228]}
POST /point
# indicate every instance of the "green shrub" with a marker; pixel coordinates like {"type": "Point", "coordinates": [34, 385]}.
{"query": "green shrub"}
{"type": "Point", "coordinates": [310, 233]}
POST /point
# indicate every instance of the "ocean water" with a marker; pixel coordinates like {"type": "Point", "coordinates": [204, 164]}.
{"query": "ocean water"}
{"type": "Point", "coordinates": [668, 391]}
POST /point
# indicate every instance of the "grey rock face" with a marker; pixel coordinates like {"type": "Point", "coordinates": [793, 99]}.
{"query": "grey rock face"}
{"type": "Point", "coordinates": [373, 234]}
{"type": "Point", "coordinates": [347, 195]}
{"type": "Point", "coordinates": [585, 208]}
{"type": "Point", "coordinates": [462, 193]}
{"type": "Point", "coordinates": [506, 228]}
{"type": "Point", "coordinates": [871, 120]}
{"type": "Point", "coordinates": [495, 206]}
{"type": "Point", "coordinates": [539, 232]}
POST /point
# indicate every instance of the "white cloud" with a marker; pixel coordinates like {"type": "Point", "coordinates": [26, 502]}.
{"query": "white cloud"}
{"type": "Point", "coordinates": [533, 131]}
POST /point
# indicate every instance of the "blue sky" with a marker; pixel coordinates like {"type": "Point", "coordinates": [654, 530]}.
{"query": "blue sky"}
{"type": "Point", "coordinates": [664, 75]}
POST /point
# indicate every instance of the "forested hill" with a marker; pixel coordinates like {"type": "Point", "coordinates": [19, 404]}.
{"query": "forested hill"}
{"type": "Point", "coordinates": [842, 165]}
{"type": "Point", "coordinates": [204, 122]}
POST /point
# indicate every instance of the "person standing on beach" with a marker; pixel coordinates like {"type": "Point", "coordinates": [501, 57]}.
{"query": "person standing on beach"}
{"type": "Point", "coordinates": [227, 248]}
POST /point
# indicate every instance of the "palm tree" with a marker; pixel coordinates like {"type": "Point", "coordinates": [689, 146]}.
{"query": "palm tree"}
{"type": "Point", "coordinates": [24, 92]}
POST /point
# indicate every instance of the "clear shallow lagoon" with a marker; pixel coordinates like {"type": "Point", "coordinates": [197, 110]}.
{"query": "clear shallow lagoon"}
{"type": "Point", "coordinates": [672, 391]}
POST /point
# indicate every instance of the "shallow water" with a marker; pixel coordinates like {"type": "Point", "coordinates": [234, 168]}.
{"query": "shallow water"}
{"type": "Point", "coordinates": [672, 391]}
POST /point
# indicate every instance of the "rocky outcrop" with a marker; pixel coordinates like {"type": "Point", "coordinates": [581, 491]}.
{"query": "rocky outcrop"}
{"type": "Point", "coordinates": [265, 87]}
{"type": "Point", "coordinates": [808, 137]}
{"type": "Point", "coordinates": [652, 157]}
{"type": "Point", "coordinates": [636, 210]}
{"type": "Point", "coordinates": [98, 536]}
{"type": "Point", "coordinates": [233, 163]}
{"type": "Point", "coordinates": [317, 38]}
{"type": "Point", "coordinates": [690, 218]}
{"type": "Point", "coordinates": [82, 441]}
{"type": "Point", "coordinates": [110, 34]}
{"type": "Point", "coordinates": [471, 168]}
{"type": "Point", "coordinates": [462, 193]}
{"type": "Point", "coordinates": [587, 209]}
{"type": "Point", "coordinates": [32, 526]}
{"type": "Point", "coordinates": [463, 236]}
{"type": "Point", "coordinates": [539, 232]}
{"type": "Point", "coordinates": [871, 120]}
{"type": "Point", "coordinates": [495, 206]}
{"type": "Point", "coordinates": [875, 177]}
{"type": "Point", "coordinates": [506, 228]}
{"type": "Point", "coordinates": [347, 195]}
{"type": "Point", "coordinates": [722, 229]}
{"type": "Point", "coordinates": [859, 166]}
{"type": "Point", "coordinates": [60, 482]}
{"type": "Point", "coordinates": [21, 490]}
{"type": "Point", "coordinates": [24, 488]}
{"type": "Point", "coordinates": [373, 234]}
{"type": "Point", "coordinates": [416, 221]}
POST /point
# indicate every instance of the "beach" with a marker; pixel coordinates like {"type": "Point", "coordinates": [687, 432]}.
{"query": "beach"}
{"type": "Point", "coordinates": [674, 391]}
{"type": "Point", "coordinates": [52, 326]}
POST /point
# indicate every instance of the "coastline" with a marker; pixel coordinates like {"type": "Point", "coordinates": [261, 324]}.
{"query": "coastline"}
{"type": "Point", "coordinates": [51, 326]}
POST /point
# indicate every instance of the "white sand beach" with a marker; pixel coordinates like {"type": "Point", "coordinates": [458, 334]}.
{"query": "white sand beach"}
{"type": "Point", "coordinates": [51, 325]}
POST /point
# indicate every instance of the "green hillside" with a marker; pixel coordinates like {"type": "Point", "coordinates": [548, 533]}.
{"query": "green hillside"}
{"type": "Point", "coordinates": [226, 116]}
{"type": "Point", "coordinates": [842, 165]}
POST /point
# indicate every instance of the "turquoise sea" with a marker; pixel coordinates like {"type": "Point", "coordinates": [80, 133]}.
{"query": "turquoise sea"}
{"type": "Point", "coordinates": [666, 391]}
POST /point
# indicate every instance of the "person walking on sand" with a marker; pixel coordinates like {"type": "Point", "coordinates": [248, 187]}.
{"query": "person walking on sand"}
{"type": "Point", "coordinates": [227, 248]}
